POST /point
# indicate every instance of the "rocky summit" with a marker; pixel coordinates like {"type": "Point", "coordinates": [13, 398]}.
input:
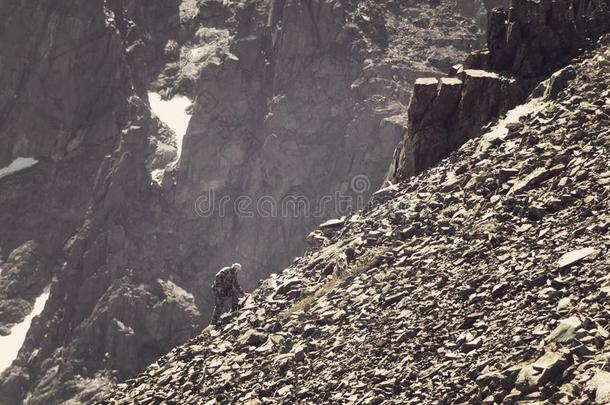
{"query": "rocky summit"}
{"type": "Point", "coordinates": [471, 139]}
{"type": "Point", "coordinates": [484, 279]}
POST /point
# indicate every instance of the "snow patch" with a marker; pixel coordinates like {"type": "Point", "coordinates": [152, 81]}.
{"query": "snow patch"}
{"type": "Point", "coordinates": [501, 130]}
{"type": "Point", "coordinates": [12, 343]}
{"type": "Point", "coordinates": [173, 114]}
{"type": "Point", "coordinates": [157, 175]}
{"type": "Point", "coordinates": [18, 164]}
{"type": "Point", "coordinates": [126, 330]}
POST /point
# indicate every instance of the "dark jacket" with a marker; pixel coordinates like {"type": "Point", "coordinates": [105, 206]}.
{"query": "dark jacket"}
{"type": "Point", "coordinates": [225, 282]}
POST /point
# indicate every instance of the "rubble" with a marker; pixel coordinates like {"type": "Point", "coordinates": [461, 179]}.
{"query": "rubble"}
{"type": "Point", "coordinates": [451, 292]}
{"type": "Point", "coordinates": [444, 289]}
{"type": "Point", "coordinates": [288, 100]}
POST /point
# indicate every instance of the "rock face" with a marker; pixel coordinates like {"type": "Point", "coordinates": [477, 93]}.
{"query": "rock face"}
{"type": "Point", "coordinates": [524, 45]}
{"type": "Point", "coordinates": [52, 109]}
{"type": "Point", "coordinates": [287, 118]}
{"type": "Point", "coordinates": [449, 289]}
{"type": "Point", "coordinates": [444, 113]}
{"type": "Point", "coordinates": [22, 282]}
{"type": "Point", "coordinates": [72, 104]}
{"type": "Point", "coordinates": [55, 110]}
{"type": "Point", "coordinates": [533, 38]}
{"type": "Point", "coordinates": [291, 100]}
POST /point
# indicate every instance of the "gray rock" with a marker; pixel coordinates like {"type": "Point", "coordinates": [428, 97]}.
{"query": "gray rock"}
{"type": "Point", "coordinates": [600, 384]}
{"type": "Point", "coordinates": [252, 337]}
{"type": "Point", "coordinates": [547, 368]}
{"type": "Point", "coordinates": [565, 331]}
{"type": "Point", "coordinates": [575, 257]}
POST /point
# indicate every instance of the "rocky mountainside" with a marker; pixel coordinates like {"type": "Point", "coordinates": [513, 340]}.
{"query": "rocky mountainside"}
{"type": "Point", "coordinates": [482, 279]}
{"type": "Point", "coordinates": [290, 100]}
{"type": "Point", "coordinates": [54, 112]}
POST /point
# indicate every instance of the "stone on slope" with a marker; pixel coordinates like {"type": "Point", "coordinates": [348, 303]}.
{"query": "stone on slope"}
{"type": "Point", "coordinates": [574, 257]}
{"type": "Point", "coordinates": [252, 337]}
{"type": "Point", "coordinates": [547, 368]}
{"type": "Point", "coordinates": [600, 385]}
{"type": "Point", "coordinates": [565, 331]}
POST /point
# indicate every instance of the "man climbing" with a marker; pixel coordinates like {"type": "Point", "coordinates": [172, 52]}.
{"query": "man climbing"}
{"type": "Point", "coordinates": [226, 286]}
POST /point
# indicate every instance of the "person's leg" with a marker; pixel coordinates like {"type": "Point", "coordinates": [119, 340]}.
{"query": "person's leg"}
{"type": "Point", "coordinates": [218, 304]}
{"type": "Point", "coordinates": [234, 301]}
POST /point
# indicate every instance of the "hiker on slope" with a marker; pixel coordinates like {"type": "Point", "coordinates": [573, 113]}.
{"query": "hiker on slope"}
{"type": "Point", "coordinates": [226, 286]}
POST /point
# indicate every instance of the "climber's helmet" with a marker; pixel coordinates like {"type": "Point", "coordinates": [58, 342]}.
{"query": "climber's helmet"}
{"type": "Point", "coordinates": [236, 266]}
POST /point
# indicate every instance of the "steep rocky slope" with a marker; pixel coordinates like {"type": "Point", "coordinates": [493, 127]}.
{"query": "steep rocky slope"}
{"type": "Point", "coordinates": [290, 99]}
{"type": "Point", "coordinates": [482, 280]}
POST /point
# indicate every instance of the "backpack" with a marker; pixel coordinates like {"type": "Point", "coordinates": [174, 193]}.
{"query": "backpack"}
{"type": "Point", "coordinates": [218, 285]}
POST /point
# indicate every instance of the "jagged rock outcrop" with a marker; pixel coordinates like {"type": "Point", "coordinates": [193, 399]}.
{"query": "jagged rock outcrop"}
{"type": "Point", "coordinates": [481, 280]}
{"type": "Point", "coordinates": [293, 100]}
{"type": "Point", "coordinates": [446, 112]}
{"type": "Point", "coordinates": [533, 39]}
{"type": "Point", "coordinates": [23, 277]}
{"type": "Point", "coordinates": [524, 45]}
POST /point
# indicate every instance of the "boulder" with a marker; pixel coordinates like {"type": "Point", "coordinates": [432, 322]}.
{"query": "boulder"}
{"type": "Point", "coordinates": [547, 368]}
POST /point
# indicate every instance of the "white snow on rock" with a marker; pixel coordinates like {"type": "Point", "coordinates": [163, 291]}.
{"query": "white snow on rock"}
{"type": "Point", "coordinates": [501, 130]}
{"type": "Point", "coordinates": [12, 343]}
{"type": "Point", "coordinates": [157, 175]}
{"type": "Point", "coordinates": [172, 113]}
{"type": "Point", "coordinates": [18, 164]}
